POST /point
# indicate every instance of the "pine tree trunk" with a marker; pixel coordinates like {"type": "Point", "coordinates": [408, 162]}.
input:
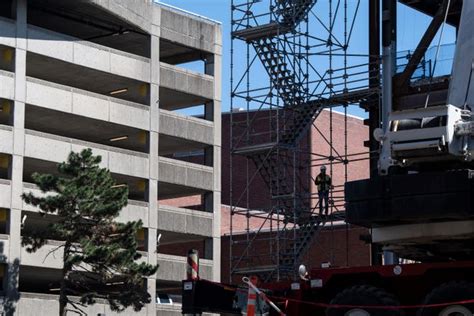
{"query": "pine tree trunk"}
{"type": "Point", "coordinates": [63, 289]}
{"type": "Point", "coordinates": [63, 296]}
{"type": "Point", "coordinates": [62, 306]}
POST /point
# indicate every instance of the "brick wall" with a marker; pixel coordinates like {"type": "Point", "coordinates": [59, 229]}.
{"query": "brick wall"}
{"type": "Point", "coordinates": [242, 169]}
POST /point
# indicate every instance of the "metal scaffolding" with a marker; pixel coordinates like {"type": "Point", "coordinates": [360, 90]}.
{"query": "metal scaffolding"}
{"type": "Point", "coordinates": [290, 59]}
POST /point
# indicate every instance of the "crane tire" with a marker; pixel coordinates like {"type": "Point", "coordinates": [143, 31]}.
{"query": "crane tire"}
{"type": "Point", "coordinates": [363, 295]}
{"type": "Point", "coordinates": [454, 291]}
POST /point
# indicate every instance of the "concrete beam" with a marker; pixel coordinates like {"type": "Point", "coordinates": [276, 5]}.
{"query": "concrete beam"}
{"type": "Point", "coordinates": [87, 54]}
{"type": "Point", "coordinates": [169, 310]}
{"type": "Point", "coordinates": [138, 13]}
{"type": "Point", "coordinates": [37, 304]}
{"type": "Point", "coordinates": [47, 304]}
{"type": "Point", "coordinates": [51, 254]}
{"type": "Point", "coordinates": [6, 136]}
{"type": "Point", "coordinates": [185, 174]}
{"type": "Point", "coordinates": [56, 148]}
{"type": "Point", "coordinates": [7, 84]}
{"type": "Point", "coordinates": [184, 221]}
{"type": "Point", "coordinates": [48, 256]}
{"type": "Point", "coordinates": [187, 30]}
{"type": "Point", "coordinates": [186, 127]}
{"type": "Point", "coordinates": [134, 211]}
{"type": "Point", "coordinates": [5, 193]}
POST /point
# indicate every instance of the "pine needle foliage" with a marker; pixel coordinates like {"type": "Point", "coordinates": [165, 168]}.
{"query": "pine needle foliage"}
{"type": "Point", "coordinates": [99, 254]}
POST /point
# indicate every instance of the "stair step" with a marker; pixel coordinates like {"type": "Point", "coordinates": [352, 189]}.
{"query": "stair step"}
{"type": "Point", "coordinates": [256, 149]}
{"type": "Point", "coordinates": [261, 31]}
{"type": "Point", "coordinates": [283, 196]}
{"type": "Point", "coordinates": [255, 269]}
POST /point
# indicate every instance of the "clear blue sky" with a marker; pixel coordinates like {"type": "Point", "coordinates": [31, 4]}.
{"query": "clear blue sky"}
{"type": "Point", "coordinates": [411, 26]}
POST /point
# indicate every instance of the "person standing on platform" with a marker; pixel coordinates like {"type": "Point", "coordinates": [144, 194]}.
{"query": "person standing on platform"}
{"type": "Point", "coordinates": [324, 184]}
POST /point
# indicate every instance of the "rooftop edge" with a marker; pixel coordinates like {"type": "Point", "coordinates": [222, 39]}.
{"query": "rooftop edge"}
{"type": "Point", "coordinates": [191, 14]}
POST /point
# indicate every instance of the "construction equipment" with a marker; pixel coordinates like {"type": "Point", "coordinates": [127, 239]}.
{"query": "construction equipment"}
{"type": "Point", "coordinates": [419, 206]}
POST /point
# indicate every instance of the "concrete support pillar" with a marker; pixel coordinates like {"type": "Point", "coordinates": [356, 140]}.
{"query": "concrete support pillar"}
{"type": "Point", "coordinates": [153, 155]}
{"type": "Point", "coordinates": [216, 113]}
{"type": "Point", "coordinates": [216, 238]}
{"type": "Point", "coordinates": [18, 151]}
{"type": "Point", "coordinates": [153, 213]}
{"type": "Point", "coordinates": [151, 286]}
{"type": "Point", "coordinates": [153, 209]}
{"type": "Point", "coordinates": [152, 233]}
{"type": "Point", "coordinates": [17, 190]}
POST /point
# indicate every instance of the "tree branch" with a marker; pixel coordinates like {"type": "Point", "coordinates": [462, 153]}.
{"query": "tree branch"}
{"type": "Point", "coordinates": [51, 251]}
{"type": "Point", "coordinates": [76, 309]}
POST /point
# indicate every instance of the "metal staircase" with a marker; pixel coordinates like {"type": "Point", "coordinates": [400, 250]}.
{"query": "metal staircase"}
{"type": "Point", "coordinates": [276, 158]}
{"type": "Point", "coordinates": [297, 248]}
{"type": "Point", "coordinates": [292, 12]}
{"type": "Point", "coordinates": [275, 170]}
{"type": "Point", "coordinates": [272, 160]}
{"type": "Point", "coordinates": [283, 78]}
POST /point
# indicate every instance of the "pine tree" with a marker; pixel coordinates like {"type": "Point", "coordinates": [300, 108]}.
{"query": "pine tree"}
{"type": "Point", "coordinates": [99, 253]}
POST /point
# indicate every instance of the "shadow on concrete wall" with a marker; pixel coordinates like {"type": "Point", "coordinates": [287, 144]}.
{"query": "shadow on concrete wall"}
{"type": "Point", "coordinates": [11, 284]}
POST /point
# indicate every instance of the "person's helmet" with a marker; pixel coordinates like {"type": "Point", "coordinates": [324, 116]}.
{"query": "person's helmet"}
{"type": "Point", "coordinates": [323, 168]}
